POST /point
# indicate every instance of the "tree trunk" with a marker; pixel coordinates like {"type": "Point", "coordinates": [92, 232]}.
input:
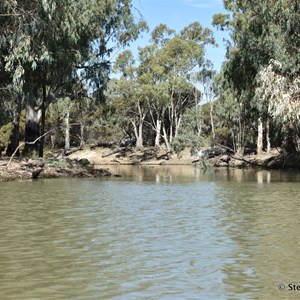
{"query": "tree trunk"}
{"type": "Point", "coordinates": [177, 125]}
{"type": "Point", "coordinates": [158, 130]}
{"type": "Point", "coordinates": [139, 141]}
{"type": "Point", "coordinates": [67, 129]}
{"type": "Point", "coordinates": [199, 120]}
{"type": "Point", "coordinates": [165, 137]}
{"type": "Point", "coordinates": [240, 139]}
{"type": "Point", "coordinates": [213, 135]}
{"type": "Point", "coordinates": [138, 132]}
{"type": "Point", "coordinates": [43, 123]}
{"type": "Point", "coordinates": [260, 137]}
{"type": "Point", "coordinates": [171, 122]}
{"type": "Point", "coordinates": [81, 135]}
{"type": "Point", "coordinates": [32, 130]}
{"type": "Point", "coordinates": [53, 140]}
{"type": "Point", "coordinates": [268, 136]}
{"type": "Point", "coordinates": [15, 129]}
{"type": "Point", "coordinates": [289, 142]}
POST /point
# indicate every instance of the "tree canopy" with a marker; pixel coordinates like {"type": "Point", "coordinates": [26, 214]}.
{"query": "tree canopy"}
{"type": "Point", "coordinates": [45, 44]}
{"type": "Point", "coordinates": [263, 58]}
{"type": "Point", "coordinates": [156, 88]}
{"type": "Point", "coordinates": [55, 75]}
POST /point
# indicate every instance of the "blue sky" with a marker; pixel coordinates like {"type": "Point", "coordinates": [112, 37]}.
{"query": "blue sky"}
{"type": "Point", "coordinates": [180, 13]}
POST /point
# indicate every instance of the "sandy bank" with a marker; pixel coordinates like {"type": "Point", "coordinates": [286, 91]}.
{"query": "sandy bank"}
{"type": "Point", "coordinates": [153, 156]}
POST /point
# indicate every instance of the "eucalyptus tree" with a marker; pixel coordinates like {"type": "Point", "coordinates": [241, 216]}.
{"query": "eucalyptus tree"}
{"type": "Point", "coordinates": [278, 85]}
{"type": "Point", "coordinates": [44, 43]}
{"type": "Point", "coordinates": [151, 75]}
{"type": "Point", "coordinates": [180, 56]}
{"type": "Point", "coordinates": [206, 77]}
{"type": "Point", "coordinates": [131, 94]}
{"type": "Point", "coordinates": [261, 31]}
{"type": "Point", "coordinates": [281, 96]}
{"type": "Point", "coordinates": [169, 63]}
{"type": "Point", "coordinates": [156, 88]}
{"type": "Point", "coordinates": [232, 115]}
{"type": "Point", "coordinates": [245, 57]}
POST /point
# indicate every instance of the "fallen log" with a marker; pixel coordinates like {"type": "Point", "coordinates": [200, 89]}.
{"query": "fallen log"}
{"type": "Point", "coordinates": [113, 152]}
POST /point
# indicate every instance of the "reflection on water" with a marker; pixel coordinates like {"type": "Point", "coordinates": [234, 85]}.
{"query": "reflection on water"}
{"type": "Point", "coordinates": [156, 233]}
{"type": "Point", "coordinates": [186, 173]}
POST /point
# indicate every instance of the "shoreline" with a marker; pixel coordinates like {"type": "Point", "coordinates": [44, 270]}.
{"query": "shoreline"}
{"type": "Point", "coordinates": [151, 156]}
{"type": "Point", "coordinates": [21, 169]}
{"type": "Point", "coordinates": [87, 163]}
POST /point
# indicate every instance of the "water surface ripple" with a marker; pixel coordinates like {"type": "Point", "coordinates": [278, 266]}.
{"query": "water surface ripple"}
{"type": "Point", "coordinates": [154, 234]}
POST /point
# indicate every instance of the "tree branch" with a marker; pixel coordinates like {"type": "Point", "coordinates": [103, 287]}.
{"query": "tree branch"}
{"type": "Point", "coordinates": [28, 143]}
{"type": "Point", "coordinates": [10, 15]}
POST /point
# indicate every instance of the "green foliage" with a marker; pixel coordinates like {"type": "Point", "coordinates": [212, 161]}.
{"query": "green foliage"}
{"type": "Point", "coordinates": [221, 21]}
{"type": "Point", "coordinates": [222, 136]}
{"type": "Point", "coordinates": [4, 133]}
{"type": "Point", "coordinates": [45, 45]}
{"type": "Point", "coordinates": [188, 135]}
{"type": "Point", "coordinates": [261, 32]}
{"type": "Point", "coordinates": [5, 116]}
{"type": "Point", "coordinates": [52, 34]}
{"type": "Point", "coordinates": [5, 130]}
{"type": "Point", "coordinates": [156, 87]}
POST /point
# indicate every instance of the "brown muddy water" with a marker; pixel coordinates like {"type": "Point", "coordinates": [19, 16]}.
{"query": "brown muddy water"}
{"type": "Point", "coordinates": [165, 232]}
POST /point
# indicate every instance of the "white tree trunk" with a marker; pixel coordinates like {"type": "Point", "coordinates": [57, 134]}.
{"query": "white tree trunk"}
{"type": "Point", "coordinates": [139, 141]}
{"type": "Point", "coordinates": [165, 137]}
{"type": "Point", "coordinates": [177, 125]}
{"type": "Point", "coordinates": [240, 139]}
{"type": "Point", "coordinates": [260, 137]}
{"type": "Point", "coordinates": [213, 135]}
{"type": "Point", "coordinates": [81, 134]}
{"type": "Point", "coordinates": [268, 136]}
{"type": "Point", "coordinates": [138, 132]}
{"type": "Point", "coordinates": [67, 130]}
{"type": "Point", "coordinates": [157, 129]}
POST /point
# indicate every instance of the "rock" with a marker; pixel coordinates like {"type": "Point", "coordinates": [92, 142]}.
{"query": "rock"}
{"type": "Point", "coordinates": [84, 162]}
{"type": "Point", "coordinates": [225, 158]}
{"type": "Point", "coordinates": [34, 163]}
{"type": "Point", "coordinates": [221, 164]}
{"type": "Point", "coordinates": [100, 172]}
{"type": "Point", "coordinates": [237, 164]}
{"type": "Point", "coordinates": [36, 173]}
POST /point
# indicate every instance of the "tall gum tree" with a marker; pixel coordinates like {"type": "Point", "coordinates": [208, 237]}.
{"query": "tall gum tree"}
{"type": "Point", "coordinates": [180, 57]}
{"type": "Point", "coordinates": [261, 31]}
{"type": "Point", "coordinates": [161, 79]}
{"type": "Point", "coordinates": [129, 94]}
{"type": "Point", "coordinates": [45, 42]}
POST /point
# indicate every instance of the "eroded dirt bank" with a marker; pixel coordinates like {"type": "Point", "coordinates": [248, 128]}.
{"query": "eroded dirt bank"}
{"type": "Point", "coordinates": [86, 162]}
{"type": "Point", "coordinates": [153, 156]}
{"type": "Point", "coordinates": [39, 168]}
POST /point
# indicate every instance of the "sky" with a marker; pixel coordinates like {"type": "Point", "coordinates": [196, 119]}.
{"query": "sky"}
{"type": "Point", "coordinates": [177, 14]}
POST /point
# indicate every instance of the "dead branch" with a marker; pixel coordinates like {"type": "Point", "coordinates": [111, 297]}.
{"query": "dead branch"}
{"type": "Point", "coordinates": [24, 143]}
{"type": "Point", "coordinates": [114, 152]}
{"type": "Point", "coordinates": [10, 15]}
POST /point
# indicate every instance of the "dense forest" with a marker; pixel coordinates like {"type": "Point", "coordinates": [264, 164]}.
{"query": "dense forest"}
{"type": "Point", "coordinates": [67, 78]}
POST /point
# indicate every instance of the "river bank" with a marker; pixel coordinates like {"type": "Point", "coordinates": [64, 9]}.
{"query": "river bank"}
{"type": "Point", "coordinates": [88, 162]}
{"type": "Point", "coordinates": [152, 156]}
{"type": "Point", "coordinates": [21, 169]}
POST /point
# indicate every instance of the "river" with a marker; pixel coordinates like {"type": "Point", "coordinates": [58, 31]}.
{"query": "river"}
{"type": "Point", "coordinates": [155, 233]}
